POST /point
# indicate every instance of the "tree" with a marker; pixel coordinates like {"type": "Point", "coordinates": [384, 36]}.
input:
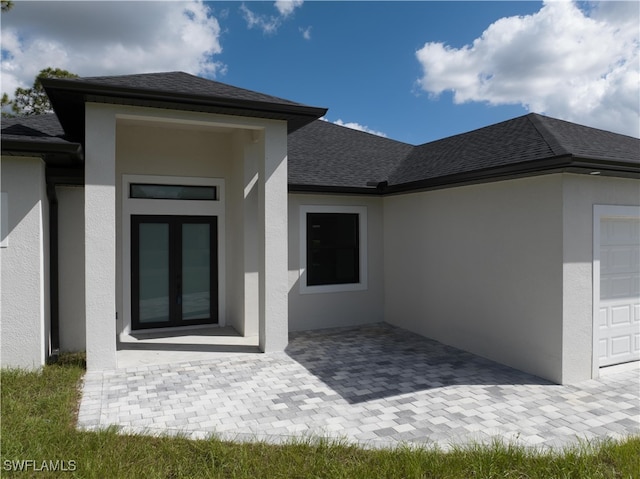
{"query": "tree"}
{"type": "Point", "coordinates": [6, 5]}
{"type": "Point", "coordinates": [34, 100]}
{"type": "Point", "coordinates": [5, 104]}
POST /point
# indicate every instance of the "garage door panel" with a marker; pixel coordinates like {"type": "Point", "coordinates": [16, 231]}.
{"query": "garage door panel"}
{"type": "Point", "coordinates": [619, 286]}
{"type": "Point", "coordinates": [603, 348]}
{"type": "Point", "coordinates": [603, 320]}
{"type": "Point", "coordinates": [619, 230]}
{"type": "Point", "coordinates": [619, 302]}
{"type": "Point", "coordinates": [620, 345]}
{"type": "Point", "coordinates": [621, 316]}
{"type": "Point", "coordinates": [619, 259]}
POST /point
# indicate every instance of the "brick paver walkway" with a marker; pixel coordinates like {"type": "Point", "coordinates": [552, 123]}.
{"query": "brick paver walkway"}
{"type": "Point", "coordinates": [375, 385]}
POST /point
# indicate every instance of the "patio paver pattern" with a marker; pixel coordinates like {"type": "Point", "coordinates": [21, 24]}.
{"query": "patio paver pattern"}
{"type": "Point", "coordinates": [375, 385]}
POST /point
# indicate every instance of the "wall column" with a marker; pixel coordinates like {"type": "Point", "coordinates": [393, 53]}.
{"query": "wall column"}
{"type": "Point", "coordinates": [100, 236]}
{"type": "Point", "coordinates": [252, 152]}
{"type": "Point", "coordinates": [273, 232]}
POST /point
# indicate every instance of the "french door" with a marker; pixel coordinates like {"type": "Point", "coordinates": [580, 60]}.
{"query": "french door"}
{"type": "Point", "coordinates": [174, 271]}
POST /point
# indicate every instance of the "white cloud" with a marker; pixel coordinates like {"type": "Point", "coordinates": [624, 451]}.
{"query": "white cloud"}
{"type": "Point", "coordinates": [355, 126]}
{"type": "Point", "coordinates": [306, 32]}
{"type": "Point", "coordinates": [578, 65]}
{"type": "Point", "coordinates": [286, 7]}
{"type": "Point", "coordinates": [269, 24]}
{"type": "Point", "coordinates": [107, 38]}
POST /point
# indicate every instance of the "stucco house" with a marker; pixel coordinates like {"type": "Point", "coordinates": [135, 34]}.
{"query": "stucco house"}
{"type": "Point", "coordinates": [167, 202]}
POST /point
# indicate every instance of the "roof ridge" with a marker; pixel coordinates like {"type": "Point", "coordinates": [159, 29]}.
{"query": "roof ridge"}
{"type": "Point", "coordinates": [547, 134]}
{"type": "Point", "coordinates": [365, 132]}
{"type": "Point", "coordinates": [107, 81]}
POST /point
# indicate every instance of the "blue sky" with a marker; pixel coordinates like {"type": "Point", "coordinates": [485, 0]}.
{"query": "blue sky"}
{"type": "Point", "coordinates": [360, 62]}
{"type": "Point", "coordinates": [413, 71]}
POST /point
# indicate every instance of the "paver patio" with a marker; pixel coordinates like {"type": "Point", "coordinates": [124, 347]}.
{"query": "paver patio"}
{"type": "Point", "coordinates": [375, 385]}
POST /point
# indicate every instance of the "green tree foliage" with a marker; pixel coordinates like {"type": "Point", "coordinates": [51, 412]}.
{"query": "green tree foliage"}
{"type": "Point", "coordinates": [6, 5]}
{"type": "Point", "coordinates": [5, 105]}
{"type": "Point", "coordinates": [34, 100]}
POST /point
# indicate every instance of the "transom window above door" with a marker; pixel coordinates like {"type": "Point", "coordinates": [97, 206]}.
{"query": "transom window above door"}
{"type": "Point", "coordinates": [172, 192]}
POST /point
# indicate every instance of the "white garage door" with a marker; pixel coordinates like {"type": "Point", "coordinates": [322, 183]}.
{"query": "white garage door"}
{"type": "Point", "coordinates": [619, 305]}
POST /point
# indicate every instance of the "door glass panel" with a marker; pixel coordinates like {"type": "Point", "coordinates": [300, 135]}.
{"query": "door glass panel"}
{"type": "Point", "coordinates": [154, 272]}
{"type": "Point", "coordinates": [196, 272]}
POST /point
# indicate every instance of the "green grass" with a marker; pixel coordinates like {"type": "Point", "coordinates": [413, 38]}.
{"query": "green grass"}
{"type": "Point", "coordinates": [38, 423]}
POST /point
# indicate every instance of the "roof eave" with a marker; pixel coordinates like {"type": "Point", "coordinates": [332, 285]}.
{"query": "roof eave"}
{"type": "Point", "coordinates": [563, 163]}
{"type": "Point", "coordinates": [41, 149]}
{"type": "Point", "coordinates": [559, 164]}
{"type": "Point", "coordinates": [296, 115]}
{"type": "Point", "coordinates": [341, 190]}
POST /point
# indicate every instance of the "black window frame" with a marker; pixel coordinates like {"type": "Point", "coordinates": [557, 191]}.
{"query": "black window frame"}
{"type": "Point", "coordinates": [175, 223]}
{"type": "Point", "coordinates": [136, 191]}
{"type": "Point", "coordinates": [330, 247]}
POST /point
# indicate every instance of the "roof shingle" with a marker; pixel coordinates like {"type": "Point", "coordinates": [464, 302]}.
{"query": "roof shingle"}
{"type": "Point", "coordinates": [180, 83]}
{"type": "Point", "coordinates": [329, 155]}
{"type": "Point", "coordinates": [172, 90]}
{"type": "Point", "coordinates": [523, 140]}
{"type": "Point", "coordinates": [33, 128]}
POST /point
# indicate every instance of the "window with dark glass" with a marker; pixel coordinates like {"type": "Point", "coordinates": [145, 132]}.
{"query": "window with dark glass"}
{"type": "Point", "coordinates": [172, 192]}
{"type": "Point", "coordinates": [333, 245]}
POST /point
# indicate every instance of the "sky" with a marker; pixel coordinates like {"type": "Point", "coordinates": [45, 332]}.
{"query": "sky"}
{"type": "Point", "coordinates": [413, 71]}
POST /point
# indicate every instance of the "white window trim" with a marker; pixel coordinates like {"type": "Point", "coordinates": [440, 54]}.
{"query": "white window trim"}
{"type": "Point", "coordinates": [600, 212]}
{"type": "Point", "coordinates": [333, 288]}
{"type": "Point", "coordinates": [143, 206]}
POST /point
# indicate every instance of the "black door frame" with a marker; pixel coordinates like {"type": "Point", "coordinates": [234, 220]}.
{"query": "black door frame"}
{"type": "Point", "coordinates": [175, 223]}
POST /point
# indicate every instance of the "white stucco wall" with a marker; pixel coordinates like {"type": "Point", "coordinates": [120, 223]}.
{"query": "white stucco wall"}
{"type": "Point", "coordinates": [242, 247]}
{"type": "Point", "coordinates": [580, 194]}
{"type": "Point", "coordinates": [24, 308]}
{"type": "Point", "coordinates": [480, 268]}
{"type": "Point", "coordinates": [71, 268]}
{"type": "Point", "coordinates": [99, 235]}
{"type": "Point", "coordinates": [273, 311]}
{"type": "Point", "coordinates": [338, 309]}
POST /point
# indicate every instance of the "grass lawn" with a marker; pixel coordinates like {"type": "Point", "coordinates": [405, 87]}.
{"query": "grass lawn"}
{"type": "Point", "coordinates": [38, 424]}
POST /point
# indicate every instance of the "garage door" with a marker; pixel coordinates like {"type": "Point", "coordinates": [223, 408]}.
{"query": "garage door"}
{"type": "Point", "coordinates": [619, 299]}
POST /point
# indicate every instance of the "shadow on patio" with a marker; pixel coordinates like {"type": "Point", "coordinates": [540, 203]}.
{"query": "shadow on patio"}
{"type": "Point", "coordinates": [378, 361]}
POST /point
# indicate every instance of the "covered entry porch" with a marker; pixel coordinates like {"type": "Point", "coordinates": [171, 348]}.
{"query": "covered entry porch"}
{"type": "Point", "coordinates": [175, 235]}
{"type": "Point", "coordinates": [183, 276]}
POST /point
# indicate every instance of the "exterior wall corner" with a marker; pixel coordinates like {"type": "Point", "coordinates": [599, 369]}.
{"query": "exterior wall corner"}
{"type": "Point", "coordinates": [273, 240]}
{"type": "Point", "coordinates": [100, 237]}
{"type": "Point", "coordinates": [24, 255]}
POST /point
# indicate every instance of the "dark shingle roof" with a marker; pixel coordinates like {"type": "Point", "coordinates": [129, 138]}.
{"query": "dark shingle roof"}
{"type": "Point", "coordinates": [524, 143]}
{"type": "Point", "coordinates": [585, 142]}
{"type": "Point", "coordinates": [174, 90]}
{"type": "Point", "coordinates": [180, 83]}
{"type": "Point", "coordinates": [36, 134]}
{"type": "Point", "coordinates": [513, 141]}
{"type": "Point", "coordinates": [32, 128]}
{"type": "Point", "coordinates": [327, 155]}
